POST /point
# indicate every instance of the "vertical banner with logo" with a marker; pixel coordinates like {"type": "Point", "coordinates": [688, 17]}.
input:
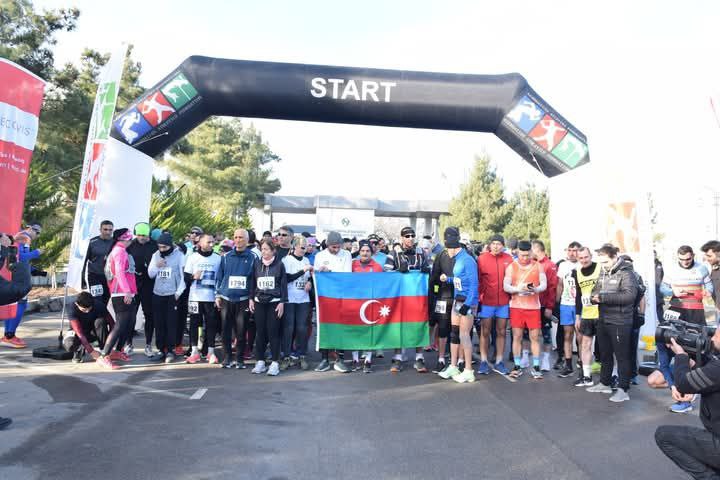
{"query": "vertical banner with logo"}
{"type": "Point", "coordinates": [629, 229]}
{"type": "Point", "coordinates": [21, 96]}
{"type": "Point", "coordinates": [90, 182]}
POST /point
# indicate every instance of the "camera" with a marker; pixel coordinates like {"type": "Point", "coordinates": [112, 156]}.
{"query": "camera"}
{"type": "Point", "coordinates": [695, 339]}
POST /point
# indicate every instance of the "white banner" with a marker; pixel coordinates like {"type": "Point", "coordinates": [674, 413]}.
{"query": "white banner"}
{"type": "Point", "coordinates": [89, 191]}
{"type": "Point", "coordinates": [346, 221]}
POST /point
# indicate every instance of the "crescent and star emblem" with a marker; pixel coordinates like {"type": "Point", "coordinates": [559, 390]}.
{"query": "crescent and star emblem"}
{"type": "Point", "coordinates": [384, 312]}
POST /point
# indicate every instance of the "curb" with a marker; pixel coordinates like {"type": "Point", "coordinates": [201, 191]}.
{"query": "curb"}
{"type": "Point", "coordinates": [48, 304]}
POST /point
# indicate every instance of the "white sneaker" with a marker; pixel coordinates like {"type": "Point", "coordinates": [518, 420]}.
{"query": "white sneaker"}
{"type": "Point", "coordinates": [148, 351]}
{"type": "Point", "coordinates": [259, 367]}
{"type": "Point", "coordinates": [274, 369]}
{"type": "Point", "coordinates": [128, 350]}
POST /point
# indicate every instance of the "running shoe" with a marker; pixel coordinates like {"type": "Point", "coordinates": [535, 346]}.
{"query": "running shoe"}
{"type": "Point", "coordinates": [104, 362]}
{"type": "Point", "coordinates": [13, 342]}
{"type": "Point", "coordinates": [420, 365]}
{"type": "Point", "coordinates": [559, 363]}
{"type": "Point", "coordinates": [516, 372]}
{"type": "Point", "coordinates": [484, 368]}
{"type": "Point", "coordinates": [619, 396]}
{"type": "Point", "coordinates": [213, 359]}
{"type": "Point", "coordinates": [500, 368]}
{"type": "Point", "coordinates": [466, 376]}
{"type": "Point", "coordinates": [340, 366]}
{"type": "Point", "coordinates": [681, 407]}
{"type": "Point", "coordinates": [78, 356]}
{"type": "Point", "coordinates": [599, 388]}
{"type": "Point", "coordinates": [148, 351]}
{"type": "Point", "coordinates": [285, 363]}
{"type": "Point", "coordinates": [128, 350]}
{"type": "Point", "coordinates": [634, 380]}
{"type": "Point", "coordinates": [355, 366]}
{"type": "Point", "coordinates": [194, 358]}
{"type": "Point", "coordinates": [583, 382]}
{"type": "Point", "coordinates": [179, 350]}
{"type": "Point", "coordinates": [227, 365]}
{"type": "Point", "coordinates": [565, 372]}
{"type": "Point", "coordinates": [536, 373]}
{"type": "Point", "coordinates": [323, 366]}
{"type": "Point", "coordinates": [274, 369]}
{"type": "Point", "coordinates": [259, 367]}
{"type": "Point", "coordinates": [240, 365]}
{"type": "Point", "coordinates": [157, 357]}
{"type": "Point", "coordinates": [440, 365]}
{"type": "Point", "coordinates": [396, 366]}
{"type": "Point", "coordinates": [449, 372]}
{"type": "Point", "coordinates": [115, 355]}
{"type": "Point", "coordinates": [169, 358]}
{"type": "Point", "coordinates": [303, 363]}
{"type": "Point", "coordinates": [367, 367]}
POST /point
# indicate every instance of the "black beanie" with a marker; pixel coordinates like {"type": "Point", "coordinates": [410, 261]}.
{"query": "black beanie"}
{"type": "Point", "coordinates": [524, 246]}
{"type": "Point", "coordinates": [452, 237]}
{"type": "Point", "coordinates": [497, 238]}
{"type": "Point", "coordinates": [165, 239]}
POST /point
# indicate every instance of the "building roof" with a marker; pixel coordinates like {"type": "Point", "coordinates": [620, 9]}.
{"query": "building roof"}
{"type": "Point", "coordinates": [382, 208]}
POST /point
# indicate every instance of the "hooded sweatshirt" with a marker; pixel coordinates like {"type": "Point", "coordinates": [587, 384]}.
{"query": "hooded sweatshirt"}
{"type": "Point", "coordinates": [168, 279]}
{"type": "Point", "coordinates": [122, 267]}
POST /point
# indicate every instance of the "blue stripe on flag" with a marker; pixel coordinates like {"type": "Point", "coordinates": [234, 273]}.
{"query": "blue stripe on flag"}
{"type": "Point", "coordinates": [371, 285]}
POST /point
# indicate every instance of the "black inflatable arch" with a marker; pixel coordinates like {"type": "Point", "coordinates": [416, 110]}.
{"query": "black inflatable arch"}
{"type": "Point", "coordinates": [501, 104]}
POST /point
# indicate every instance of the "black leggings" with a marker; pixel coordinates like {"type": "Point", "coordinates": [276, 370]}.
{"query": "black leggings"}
{"type": "Point", "coordinates": [182, 313]}
{"type": "Point", "coordinates": [145, 297]}
{"type": "Point", "coordinates": [165, 317]}
{"type": "Point", "coordinates": [207, 317]}
{"type": "Point", "coordinates": [234, 316]}
{"type": "Point", "coordinates": [124, 316]}
{"type": "Point", "coordinates": [268, 329]}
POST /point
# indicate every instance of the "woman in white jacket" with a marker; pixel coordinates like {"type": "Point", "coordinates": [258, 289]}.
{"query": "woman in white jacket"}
{"type": "Point", "coordinates": [166, 267]}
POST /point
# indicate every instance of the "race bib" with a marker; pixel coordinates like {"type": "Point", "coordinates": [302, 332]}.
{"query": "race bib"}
{"type": "Point", "coordinates": [457, 283]}
{"type": "Point", "coordinates": [671, 315]}
{"type": "Point", "coordinates": [164, 272]}
{"type": "Point", "coordinates": [237, 282]}
{"type": "Point", "coordinates": [441, 307]}
{"type": "Point", "coordinates": [96, 290]}
{"type": "Point", "coordinates": [586, 302]}
{"type": "Point", "coordinates": [300, 284]}
{"type": "Point", "coordinates": [193, 307]}
{"type": "Point", "coordinates": [266, 283]}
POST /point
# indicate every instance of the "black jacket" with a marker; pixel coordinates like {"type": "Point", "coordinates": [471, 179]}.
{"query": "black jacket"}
{"type": "Point", "coordinates": [276, 270]}
{"type": "Point", "coordinates": [443, 263]}
{"type": "Point", "coordinates": [97, 252]}
{"type": "Point", "coordinates": [704, 380]}
{"type": "Point", "coordinates": [618, 291]}
{"type": "Point", "coordinates": [410, 259]}
{"type": "Point", "coordinates": [142, 254]}
{"type": "Point", "coordinates": [15, 289]}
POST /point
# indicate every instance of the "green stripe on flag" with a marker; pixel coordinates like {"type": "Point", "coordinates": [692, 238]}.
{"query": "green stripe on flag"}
{"type": "Point", "coordinates": [376, 337]}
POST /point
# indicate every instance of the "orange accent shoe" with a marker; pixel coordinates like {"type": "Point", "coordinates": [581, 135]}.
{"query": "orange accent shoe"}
{"type": "Point", "coordinates": [179, 350]}
{"type": "Point", "coordinates": [120, 356]}
{"type": "Point", "coordinates": [13, 342]}
{"type": "Point", "coordinates": [105, 363]}
{"type": "Point", "coordinates": [194, 358]}
{"type": "Point", "coordinates": [213, 360]}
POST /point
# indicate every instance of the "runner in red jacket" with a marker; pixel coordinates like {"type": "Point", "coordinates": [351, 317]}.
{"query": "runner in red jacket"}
{"type": "Point", "coordinates": [494, 301]}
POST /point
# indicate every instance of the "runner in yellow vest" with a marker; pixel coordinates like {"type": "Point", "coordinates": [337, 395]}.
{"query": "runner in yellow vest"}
{"type": "Point", "coordinates": [587, 314]}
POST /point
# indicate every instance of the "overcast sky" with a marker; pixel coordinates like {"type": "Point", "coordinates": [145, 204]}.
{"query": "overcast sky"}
{"type": "Point", "coordinates": [635, 77]}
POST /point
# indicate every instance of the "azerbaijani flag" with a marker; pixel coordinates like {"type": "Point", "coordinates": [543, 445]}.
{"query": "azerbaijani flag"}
{"type": "Point", "coordinates": [369, 311]}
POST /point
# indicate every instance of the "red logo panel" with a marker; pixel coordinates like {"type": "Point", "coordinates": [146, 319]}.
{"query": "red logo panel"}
{"type": "Point", "coordinates": [156, 109]}
{"type": "Point", "coordinates": [548, 133]}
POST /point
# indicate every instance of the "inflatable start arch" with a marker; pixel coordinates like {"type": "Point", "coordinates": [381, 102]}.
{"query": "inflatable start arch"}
{"type": "Point", "coordinates": [501, 104]}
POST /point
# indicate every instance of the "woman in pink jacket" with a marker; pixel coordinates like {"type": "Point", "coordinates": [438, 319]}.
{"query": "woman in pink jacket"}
{"type": "Point", "coordinates": [120, 270]}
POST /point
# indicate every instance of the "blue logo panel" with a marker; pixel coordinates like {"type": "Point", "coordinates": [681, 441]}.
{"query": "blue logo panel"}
{"type": "Point", "coordinates": [526, 114]}
{"type": "Point", "coordinates": [132, 126]}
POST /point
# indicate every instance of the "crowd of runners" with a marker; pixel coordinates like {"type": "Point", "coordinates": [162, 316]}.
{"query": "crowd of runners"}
{"type": "Point", "coordinates": [248, 301]}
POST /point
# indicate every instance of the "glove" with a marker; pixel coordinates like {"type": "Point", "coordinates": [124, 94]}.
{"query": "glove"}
{"type": "Point", "coordinates": [461, 308]}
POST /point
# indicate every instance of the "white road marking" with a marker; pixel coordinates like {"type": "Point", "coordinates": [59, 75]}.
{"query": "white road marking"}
{"type": "Point", "coordinates": [96, 379]}
{"type": "Point", "coordinates": [198, 394]}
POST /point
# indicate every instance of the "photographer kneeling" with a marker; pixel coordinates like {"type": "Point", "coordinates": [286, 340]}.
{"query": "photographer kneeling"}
{"type": "Point", "coordinates": [695, 450]}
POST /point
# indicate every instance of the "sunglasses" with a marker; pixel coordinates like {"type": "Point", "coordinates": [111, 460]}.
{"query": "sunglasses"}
{"type": "Point", "coordinates": [283, 235]}
{"type": "Point", "coordinates": [409, 236]}
{"type": "Point", "coordinates": [689, 259]}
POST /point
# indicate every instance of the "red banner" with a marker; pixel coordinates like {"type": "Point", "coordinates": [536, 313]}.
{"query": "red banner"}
{"type": "Point", "coordinates": [21, 96]}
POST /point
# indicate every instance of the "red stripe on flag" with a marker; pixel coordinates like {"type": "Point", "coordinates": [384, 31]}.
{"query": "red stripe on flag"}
{"type": "Point", "coordinates": [377, 311]}
{"type": "Point", "coordinates": [21, 89]}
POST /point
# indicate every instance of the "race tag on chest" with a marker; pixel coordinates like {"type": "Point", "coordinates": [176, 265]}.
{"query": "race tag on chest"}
{"type": "Point", "coordinates": [237, 282]}
{"type": "Point", "coordinates": [193, 307]}
{"type": "Point", "coordinates": [165, 273]}
{"type": "Point", "coordinates": [457, 283]}
{"type": "Point", "coordinates": [441, 307]}
{"type": "Point", "coordinates": [266, 283]}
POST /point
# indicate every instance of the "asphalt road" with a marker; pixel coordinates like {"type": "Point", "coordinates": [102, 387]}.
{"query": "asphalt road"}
{"type": "Point", "coordinates": [203, 422]}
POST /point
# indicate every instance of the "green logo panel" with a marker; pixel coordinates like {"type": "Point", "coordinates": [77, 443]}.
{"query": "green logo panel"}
{"type": "Point", "coordinates": [107, 109]}
{"type": "Point", "coordinates": [179, 91]}
{"type": "Point", "coordinates": [571, 150]}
